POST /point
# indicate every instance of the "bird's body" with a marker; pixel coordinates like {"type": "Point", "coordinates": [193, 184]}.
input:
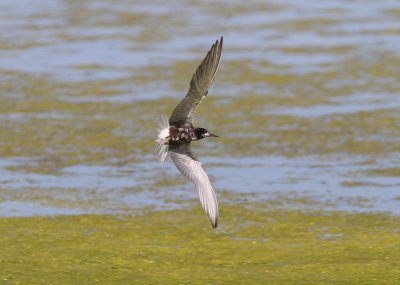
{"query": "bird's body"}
{"type": "Point", "coordinates": [176, 134]}
{"type": "Point", "coordinates": [182, 134]}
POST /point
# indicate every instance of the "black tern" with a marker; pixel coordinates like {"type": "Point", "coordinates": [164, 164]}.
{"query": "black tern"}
{"type": "Point", "coordinates": [176, 134]}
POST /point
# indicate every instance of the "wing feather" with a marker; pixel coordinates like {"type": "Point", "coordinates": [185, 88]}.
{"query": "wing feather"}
{"type": "Point", "coordinates": [191, 168]}
{"type": "Point", "coordinates": [199, 85]}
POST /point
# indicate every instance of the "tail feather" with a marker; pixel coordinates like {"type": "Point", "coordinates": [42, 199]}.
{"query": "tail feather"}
{"type": "Point", "coordinates": [162, 152]}
{"type": "Point", "coordinates": [162, 138]}
{"type": "Point", "coordinates": [162, 123]}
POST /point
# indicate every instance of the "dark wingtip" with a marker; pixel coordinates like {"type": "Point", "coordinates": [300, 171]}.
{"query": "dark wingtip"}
{"type": "Point", "coordinates": [221, 40]}
{"type": "Point", "coordinates": [214, 224]}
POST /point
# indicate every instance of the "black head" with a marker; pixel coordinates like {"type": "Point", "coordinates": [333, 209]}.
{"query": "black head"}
{"type": "Point", "coordinates": [201, 133]}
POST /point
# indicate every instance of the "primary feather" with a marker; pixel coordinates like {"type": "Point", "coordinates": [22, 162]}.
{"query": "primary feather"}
{"type": "Point", "coordinates": [191, 168]}
{"type": "Point", "coordinates": [199, 85]}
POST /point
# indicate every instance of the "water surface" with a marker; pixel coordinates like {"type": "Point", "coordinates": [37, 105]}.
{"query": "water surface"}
{"type": "Point", "coordinates": [306, 103]}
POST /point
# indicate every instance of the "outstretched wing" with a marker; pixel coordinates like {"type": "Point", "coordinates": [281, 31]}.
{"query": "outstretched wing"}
{"type": "Point", "coordinates": [199, 85]}
{"type": "Point", "coordinates": [191, 168]}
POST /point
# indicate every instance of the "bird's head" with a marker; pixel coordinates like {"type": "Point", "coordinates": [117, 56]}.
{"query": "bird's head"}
{"type": "Point", "coordinates": [203, 133]}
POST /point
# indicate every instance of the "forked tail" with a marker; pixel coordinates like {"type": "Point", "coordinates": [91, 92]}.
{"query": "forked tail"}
{"type": "Point", "coordinates": [162, 138]}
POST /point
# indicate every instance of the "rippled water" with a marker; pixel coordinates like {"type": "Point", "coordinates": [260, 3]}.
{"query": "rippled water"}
{"type": "Point", "coordinates": [306, 101]}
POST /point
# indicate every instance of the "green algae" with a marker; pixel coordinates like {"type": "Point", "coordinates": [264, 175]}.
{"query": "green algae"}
{"type": "Point", "coordinates": [71, 125]}
{"type": "Point", "coordinates": [53, 123]}
{"type": "Point", "coordinates": [251, 246]}
{"type": "Point", "coordinates": [388, 171]}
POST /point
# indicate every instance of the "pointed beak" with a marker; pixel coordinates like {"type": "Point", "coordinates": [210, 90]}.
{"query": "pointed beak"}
{"type": "Point", "coordinates": [213, 135]}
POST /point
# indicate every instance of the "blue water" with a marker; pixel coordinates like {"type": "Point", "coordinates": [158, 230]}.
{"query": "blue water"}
{"type": "Point", "coordinates": [270, 177]}
{"type": "Point", "coordinates": [51, 38]}
{"type": "Point", "coordinates": [252, 34]}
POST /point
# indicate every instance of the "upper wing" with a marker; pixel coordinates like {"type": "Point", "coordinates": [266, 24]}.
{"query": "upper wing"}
{"type": "Point", "coordinates": [199, 85]}
{"type": "Point", "coordinates": [192, 170]}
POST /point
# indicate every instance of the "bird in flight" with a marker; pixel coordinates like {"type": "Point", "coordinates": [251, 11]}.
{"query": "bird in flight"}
{"type": "Point", "coordinates": [176, 134]}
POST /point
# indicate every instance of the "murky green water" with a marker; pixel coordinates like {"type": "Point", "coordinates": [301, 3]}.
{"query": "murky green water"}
{"type": "Point", "coordinates": [306, 101]}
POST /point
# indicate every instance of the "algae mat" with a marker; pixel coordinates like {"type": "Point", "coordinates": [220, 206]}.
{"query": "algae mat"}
{"type": "Point", "coordinates": [168, 247]}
